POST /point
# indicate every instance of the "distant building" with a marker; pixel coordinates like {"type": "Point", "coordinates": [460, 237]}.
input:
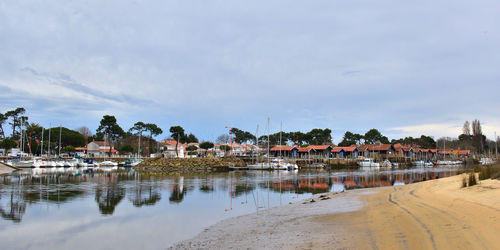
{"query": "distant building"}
{"type": "Point", "coordinates": [167, 147]}
{"type": "Point", "coordinates": [100, 148]}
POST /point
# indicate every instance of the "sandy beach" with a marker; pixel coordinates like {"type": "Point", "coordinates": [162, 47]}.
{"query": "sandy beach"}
{"type": "Point", "coordinates": [436, 214]}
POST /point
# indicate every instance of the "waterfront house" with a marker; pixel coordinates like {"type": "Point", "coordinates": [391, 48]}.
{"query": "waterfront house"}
{"type": "Point", "coordinates": [100, 149]}
{"type": "Point", "coordinates": [345, 152]}
{"type": "Point", "coordinates": [167, 147]}
{"type": "Point", "coordinates": [285, 151]}
{"type": "Point", "coordinates": [376, 150]}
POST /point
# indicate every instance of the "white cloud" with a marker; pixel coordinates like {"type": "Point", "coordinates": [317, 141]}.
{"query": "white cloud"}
{"type": "Point", "coordinates": [349, 65]}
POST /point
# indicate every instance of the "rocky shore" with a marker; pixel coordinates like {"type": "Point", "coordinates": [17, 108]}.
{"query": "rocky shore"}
{"type": "Point", "coordinates": [187, 165]}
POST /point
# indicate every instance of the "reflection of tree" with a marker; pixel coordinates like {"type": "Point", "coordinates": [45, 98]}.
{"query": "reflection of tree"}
{"type": "Point", "coordinates": [16, 207]}
{"type": "Point", "coordinates": [108, 197]}
{"type": "Point", "coordinates": [177, 195]}
{"type": "Point", "coordinates": [239, 190]}
{"type": "Point", "coordinates": [145, 195]}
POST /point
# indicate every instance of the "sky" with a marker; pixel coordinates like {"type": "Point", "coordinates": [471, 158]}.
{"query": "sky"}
{"type": "Point", "coordinates": [405, 68]}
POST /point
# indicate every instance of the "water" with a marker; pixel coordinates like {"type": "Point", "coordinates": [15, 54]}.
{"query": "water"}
{"type": "Point", "coordinates": [125, 210]}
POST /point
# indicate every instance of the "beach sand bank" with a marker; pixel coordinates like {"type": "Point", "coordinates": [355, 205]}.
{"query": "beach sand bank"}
{"type": "Point", "coordinates": [436, 214]}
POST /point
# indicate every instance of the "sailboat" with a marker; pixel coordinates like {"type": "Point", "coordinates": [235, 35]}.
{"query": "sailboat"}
{"type": "Point", "coordinates": [262, 165]}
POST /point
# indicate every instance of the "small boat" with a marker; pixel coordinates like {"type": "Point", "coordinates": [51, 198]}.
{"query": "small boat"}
{"type": "Point", "coordinates": [108, 164]}
{"type": "Point", "coordinates": [423, 163]}
{"type": "Point", "coordinates": [386, 163]}
{"type": "Point", "coordinates": [281, 164]}
{"type": "Point", "coordinates": [368, 163]}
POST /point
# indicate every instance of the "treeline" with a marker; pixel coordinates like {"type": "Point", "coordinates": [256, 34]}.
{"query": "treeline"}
{"type": "Point", "coordinates": [370, 137]}
{"type": "Point", "coordinates": [314, 137]}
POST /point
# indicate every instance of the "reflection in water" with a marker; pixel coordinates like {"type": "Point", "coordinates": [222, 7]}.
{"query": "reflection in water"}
{"type": "Point", "coordinates": [109, 189]}
{"type": "Point", "coordinates": [14, 208]}
{"type": "Point", "coordinates": [73, 208]}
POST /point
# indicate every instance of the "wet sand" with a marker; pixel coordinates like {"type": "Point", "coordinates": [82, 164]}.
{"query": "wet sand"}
{"type": "Point", "coordinates": [436, 214]}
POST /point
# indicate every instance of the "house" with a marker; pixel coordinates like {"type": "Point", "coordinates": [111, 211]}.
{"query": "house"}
{"type": "Point", "coordinates": [100, 148]}
{"type": "Point", "coordinates": [376, 150]}
{"type": "Point", "coordinates": [168, 149]}
{"type": "Point", "coordinates": [285, 151]}
{"type": "Point", "coordinates": [345, 152]}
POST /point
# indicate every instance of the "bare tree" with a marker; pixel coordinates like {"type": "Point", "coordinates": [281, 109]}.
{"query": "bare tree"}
{"type": "Point", "coordinates": [84, 131]}
{"type": "Point", "coordinates": [223, 139]}
{"type": "Point", "coordinates": [466, 128]}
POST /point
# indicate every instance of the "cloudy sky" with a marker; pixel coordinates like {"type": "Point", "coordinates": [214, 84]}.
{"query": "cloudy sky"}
{"type": "Point", "coordinates": [406, 68]}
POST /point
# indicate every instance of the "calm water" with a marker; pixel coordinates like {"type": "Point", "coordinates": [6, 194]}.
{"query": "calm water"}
{"type": "Point", "coordinates": [125, 210]}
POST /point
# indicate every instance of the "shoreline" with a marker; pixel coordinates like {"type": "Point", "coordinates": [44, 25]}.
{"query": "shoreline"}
{"type": "Point", "coordinates": [432, 214]}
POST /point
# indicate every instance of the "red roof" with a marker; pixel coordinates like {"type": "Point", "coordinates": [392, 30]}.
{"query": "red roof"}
{"type": "Point", "coordinates": [113, 151]}
{"type": "Point", "coordinates": [306, 149]}
{"type": "Point", "coordinates": [320, 147]}
{"type": "Point", "coordinates": [282, 148]}
{"type": "Point", "coordinates": [346, 149]}
{"type": "Point", "coordinates": [171, 142]}
{"type": "Point", "coordinates": [101, 143]}
{"type": "Point", "coordinates": [370, 147]}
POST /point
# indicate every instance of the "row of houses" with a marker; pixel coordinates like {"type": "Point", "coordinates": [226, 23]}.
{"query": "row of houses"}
{"type": "Point", "coordinates": [365, 150]}
{"type": "Point", "coordinates": [168, 149]}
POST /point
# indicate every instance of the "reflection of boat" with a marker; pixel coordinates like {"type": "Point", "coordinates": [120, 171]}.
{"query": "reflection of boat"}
{"type": "Point", "coordinates": [368, 163]}
{"type": "Point", "coordinates": [260, 166]}
{"type": "Point", "coordinates": [448, 163]}
{"type": "Point", "coordinates": [486, 161]}
{"type": "Point", "coordinates": [423, 163]}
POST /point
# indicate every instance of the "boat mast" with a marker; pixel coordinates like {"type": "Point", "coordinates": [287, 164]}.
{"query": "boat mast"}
{"type": "Point", "coordinates": [256, 142]}
{"type": "Point", "coordinates": [60, 132]}
{"type": "Point", "coordinates": [41, 146]}
{"type": "Point", "coordinates": [268, 142]}
{"type": "Point", "coordinates": [21, 139]}
{"type": "Point", "coordinates": [48, 144]}
{"type": "Point", "coordinates": [281, 129]}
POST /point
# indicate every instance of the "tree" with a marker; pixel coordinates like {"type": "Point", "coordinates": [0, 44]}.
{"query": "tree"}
{"type": "Point", "coordinates": [111, 129]}
{"type": "Point", "coordinates": [241, 136]}
{"type": "Point", "coordinates": [350, 139]}
{"type": "Point", "coordinates": [373, 135]}
{"type": "Point", "coordinates": [466, 128]}
{"type": "Point", "coordinates": [224, 138]}
{"type": "Point", "coordinates": [69, 149]}
{"type": "Point", "coordinates": [3, 118]}
{"type": "Point", "coordinates": [206, 145]}
{"type": "Point", "coordinates": [154, 130]}
{"type": "Point", "coordinates": [225, 148]}
{"type": "Point", "coordinates": [176, 132]}
{"type": "Point", "coordinates": [8, 144]}
{"type": "Point", "coordinates": [138, 127]}
{"type": "Point", "coordinates": [16, 121]}
{"type": "Point", "coordinates": [320, 136]}
{"type": "Point", "coordinates": [127, 148]}
{"type": "Point", "coordinates": [190, 138]}
{"type": "Point", "coordinates": [477, 135]}
{"type": "Point", "coordinates": [84, 131]}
